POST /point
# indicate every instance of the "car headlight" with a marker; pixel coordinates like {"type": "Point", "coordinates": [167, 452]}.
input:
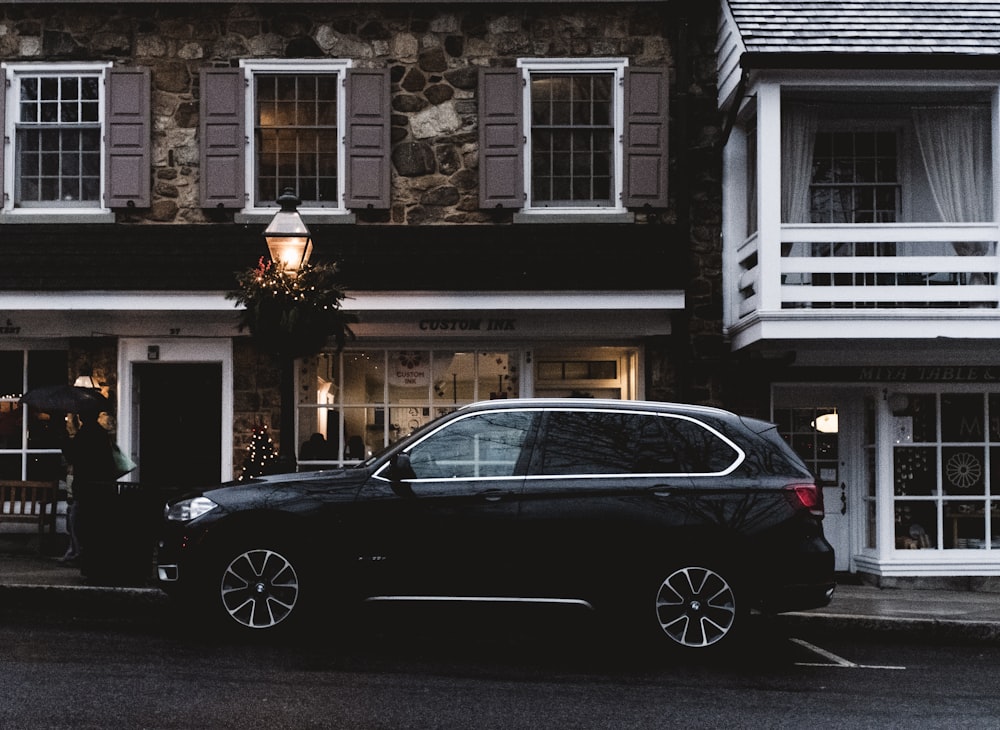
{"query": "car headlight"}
{"type": "Point", "coordinates": [189, 509]}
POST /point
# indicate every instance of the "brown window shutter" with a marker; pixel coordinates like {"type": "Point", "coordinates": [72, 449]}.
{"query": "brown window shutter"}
{"type": "Point", "coordinates": [646, 124]}
{"type": "Point", "coordinates": [3, 140]}
{"type": "Point", "coordinates": [368, 169]}
{"type": "Point", "coordinates": [128, 138]}
{"type": "Point", "coordinates": [223, 137]}
{"type": "Point", "coordinates": [501, 138]}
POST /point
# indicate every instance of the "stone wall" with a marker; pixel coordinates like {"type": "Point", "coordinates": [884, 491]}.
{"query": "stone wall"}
{"type": "Point", "coordinates": [256, 398]}
{"type": "Point", "coordinates": [433, 53]}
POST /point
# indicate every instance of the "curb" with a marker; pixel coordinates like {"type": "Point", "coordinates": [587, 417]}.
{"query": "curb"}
{"type": "Point", "coordinates": [111, 602]}
{"type": "Point", "coordinates": [932, 628]}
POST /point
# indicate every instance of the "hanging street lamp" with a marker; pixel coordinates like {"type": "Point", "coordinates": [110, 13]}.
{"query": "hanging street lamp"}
{"type": "Point", "coordinates": [288, 238]}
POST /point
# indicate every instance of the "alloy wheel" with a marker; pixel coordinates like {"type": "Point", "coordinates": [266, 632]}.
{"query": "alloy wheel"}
{"type": "Point", "coordinates": [259, 589]}
{"type": "Point", "coordinates": [696, 607]}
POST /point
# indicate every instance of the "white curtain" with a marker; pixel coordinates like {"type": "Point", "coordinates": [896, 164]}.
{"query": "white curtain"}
{"type": "Point", "coordinates": [955, 144]}
{"type": "Point", "coordinates": [798, 138]}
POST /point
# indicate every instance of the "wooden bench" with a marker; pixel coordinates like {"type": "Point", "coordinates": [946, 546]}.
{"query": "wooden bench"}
{"type": "Point", "coordinates": [29, 501]}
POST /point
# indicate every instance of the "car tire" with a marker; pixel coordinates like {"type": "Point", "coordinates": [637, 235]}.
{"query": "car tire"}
{"type": "Point", "coordinates": [697, 607]}
{"type": "Point", "coordinates": [258, 589]}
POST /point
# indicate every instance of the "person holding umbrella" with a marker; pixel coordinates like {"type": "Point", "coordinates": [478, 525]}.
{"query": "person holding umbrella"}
{"type": "Point", "coordinates": [96, 463]}
{"type": "Point", "coordinates": [90, 455]}
{"type": "Point", "coordinates": [87, 454]}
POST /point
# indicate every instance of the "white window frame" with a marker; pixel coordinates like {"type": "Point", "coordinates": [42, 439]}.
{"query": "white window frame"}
{"type": "Point", "coordinates": [294, 66]}
{"type": "Point", "coordinates": [12, 74]}
{"type": "Point", "coordinates": [616, 66]}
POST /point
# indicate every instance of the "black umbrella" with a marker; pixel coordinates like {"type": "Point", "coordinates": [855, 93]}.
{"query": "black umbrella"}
{"type": "Point", "coordinates": [65, 399]}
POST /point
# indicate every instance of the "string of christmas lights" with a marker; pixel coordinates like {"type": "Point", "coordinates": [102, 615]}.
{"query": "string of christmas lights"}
{"type": "Point", "coordinates": [261, 455]}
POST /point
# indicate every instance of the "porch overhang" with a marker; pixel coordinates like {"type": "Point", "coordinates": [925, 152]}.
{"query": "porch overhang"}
{"type": "Point", "coordinates": [503, 314]}
{"type": "Point", "coordinates": [762, 328]}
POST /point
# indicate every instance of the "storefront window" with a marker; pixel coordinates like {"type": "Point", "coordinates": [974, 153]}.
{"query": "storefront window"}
{"type": "Point", "coordinates": [870, 474]}
{"type": "Point", "coordinates": [11, 388]}
{"type": "Point", "coordinates": [354, 404]}
{"type": "Point", "coordinates": [585, 373]}
{"type": "Point", "coordinates": [30, 441]}
{"type": "Point", "coordinates": [941, 472]}
{"type": "Point", "coordinates": [812, 433]}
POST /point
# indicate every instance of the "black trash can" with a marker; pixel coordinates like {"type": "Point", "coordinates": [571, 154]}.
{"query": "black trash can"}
{"type": "Point", "coordinates": [118, 527]}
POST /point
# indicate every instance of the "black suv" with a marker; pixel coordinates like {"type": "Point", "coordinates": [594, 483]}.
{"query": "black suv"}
{"type": "Point", "coordinates": [676, 518]}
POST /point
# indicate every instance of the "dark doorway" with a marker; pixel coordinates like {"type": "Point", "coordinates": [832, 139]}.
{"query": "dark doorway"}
{"type": "Point", "coordinates": [180, 424]}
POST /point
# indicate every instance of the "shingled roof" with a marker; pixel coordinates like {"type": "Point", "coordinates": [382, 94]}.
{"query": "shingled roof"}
{"type": "Point", "coordinates": [969, 27]}
{"type": "Point", "coordinates": [854, 34]}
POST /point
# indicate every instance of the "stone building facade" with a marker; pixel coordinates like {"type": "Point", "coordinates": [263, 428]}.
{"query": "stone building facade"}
{"type": "Point", "coordinates": [83, 283]}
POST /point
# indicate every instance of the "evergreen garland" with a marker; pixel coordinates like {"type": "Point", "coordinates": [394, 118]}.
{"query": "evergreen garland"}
{"type": "Point", "coordinates": [292, 315]}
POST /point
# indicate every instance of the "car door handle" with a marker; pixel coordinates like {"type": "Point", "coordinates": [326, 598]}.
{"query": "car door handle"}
{"type": "Point", "coordinates": [493, 495]}
{"type": "Point", "coordinates": [662, 492]}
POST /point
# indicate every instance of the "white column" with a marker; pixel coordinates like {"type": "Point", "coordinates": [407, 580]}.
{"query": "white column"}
{"type": "Point", "coordinates": [769, 195]}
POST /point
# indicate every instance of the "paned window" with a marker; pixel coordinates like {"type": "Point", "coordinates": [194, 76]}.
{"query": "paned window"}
{"type": "Point", "coordinates": [812, 434]}
{"type": "Point", "coordinates": [296, 114]}
{"type": "Point", "coordinates": [58, 139]}
{"type": "Point", "coordinates": [296, 137]}
{"type": "Point", "coordinates": [31, 441]}
{"type": "Point", "coordinates": [356, 403]}
{"type": "Point", "coordinates": [946, 470]}
{"type": "Point", "coordinates": [855, 178]}
{"type": "Point", "coordinates": [572, 134]}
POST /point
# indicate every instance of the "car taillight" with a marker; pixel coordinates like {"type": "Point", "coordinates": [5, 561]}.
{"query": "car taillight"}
{"type": "Point", "coordinates": [809, 496]}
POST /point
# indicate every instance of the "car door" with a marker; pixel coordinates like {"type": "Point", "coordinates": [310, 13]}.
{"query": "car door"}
{"type": "Point", "coordinates": [445, 527]}
{"type": "Point", "coordinates": [601, 487]}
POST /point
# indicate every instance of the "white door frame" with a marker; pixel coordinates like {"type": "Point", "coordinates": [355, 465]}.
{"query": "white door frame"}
{"type": "Point", "coordinates": [174, 350]}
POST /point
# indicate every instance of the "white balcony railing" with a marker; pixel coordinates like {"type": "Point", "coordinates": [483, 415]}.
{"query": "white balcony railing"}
{"type": "Point", "coordinates": [908, 266]}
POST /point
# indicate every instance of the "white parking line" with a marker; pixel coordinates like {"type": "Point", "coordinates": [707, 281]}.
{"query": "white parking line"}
{"type": "Point", "coordinates": [838, 661]}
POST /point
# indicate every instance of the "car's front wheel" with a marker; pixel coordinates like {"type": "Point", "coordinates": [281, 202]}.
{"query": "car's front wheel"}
{"type": "Point", "coordinates": [697, 607]}
{"type": "Point", "coordinates": [260, 588]}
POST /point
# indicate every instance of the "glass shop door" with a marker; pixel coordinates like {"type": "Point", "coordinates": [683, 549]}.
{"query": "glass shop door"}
{"type": "Point", "coordinates": [818, 427]}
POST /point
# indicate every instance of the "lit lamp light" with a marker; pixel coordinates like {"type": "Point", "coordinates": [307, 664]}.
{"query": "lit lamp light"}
{"type": "Point", "coordinates": [827, 423]}
{"type": "Point", "coordinates": [85, 379]}
{"type": "Point", "coordinates": [288, 238]}
{"type": "Point", "coordinates": [899, 404]}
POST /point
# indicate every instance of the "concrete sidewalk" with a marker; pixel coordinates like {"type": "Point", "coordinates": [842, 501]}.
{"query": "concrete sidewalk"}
{"type": "Point", "coordinates": [28, 576]}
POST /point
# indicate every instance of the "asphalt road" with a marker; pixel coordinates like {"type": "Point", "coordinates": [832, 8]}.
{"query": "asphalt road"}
{"type": "Point", "coordinates": [401, 670]}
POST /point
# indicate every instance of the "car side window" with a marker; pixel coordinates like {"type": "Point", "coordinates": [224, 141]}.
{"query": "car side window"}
{"type": "Point", "coordinates": [480, 445]}
{"type": "Point", "coordinates": [697, 449]}
{"type": "Point", "coordinates": [596, 442]}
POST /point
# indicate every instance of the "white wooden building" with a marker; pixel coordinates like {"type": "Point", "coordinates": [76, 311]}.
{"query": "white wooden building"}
{"type": "Point", "coordinates": [861, 265]}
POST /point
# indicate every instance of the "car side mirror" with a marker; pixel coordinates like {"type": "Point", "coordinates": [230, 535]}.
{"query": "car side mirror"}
{"type": "Point", "coordinates": [400, 473]}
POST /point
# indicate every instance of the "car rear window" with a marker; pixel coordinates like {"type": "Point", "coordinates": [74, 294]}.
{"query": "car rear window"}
{"type": "Point", "coordinates": [612, 442]}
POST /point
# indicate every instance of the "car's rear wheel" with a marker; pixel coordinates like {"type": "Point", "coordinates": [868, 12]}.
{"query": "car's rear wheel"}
{"type": "Point", "coordinates": [259, 588]}
{"type": "Point", "coordinates": [697, 607]}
